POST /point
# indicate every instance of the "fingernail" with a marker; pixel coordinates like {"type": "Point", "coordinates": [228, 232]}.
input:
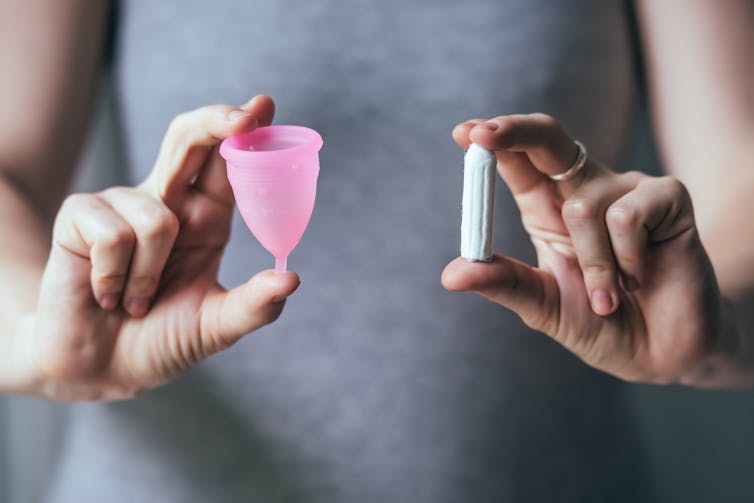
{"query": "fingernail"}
{"type": "Point", "coordinates": [109, 301]}
{"type": "Point", "coordinates": [602, 302]}
{"type": "Point", "coordinates": [491, 125]}
{"type": "Point", "coordinates": [139, 306]}
{"type": "Point", "coordinates": [235, 115]}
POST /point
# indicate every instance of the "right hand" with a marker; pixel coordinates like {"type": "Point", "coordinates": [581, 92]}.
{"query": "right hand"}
{"type": "Point", "coordinates": [129, 299]}
{"type": "Point", "coordinates": [622, 279]}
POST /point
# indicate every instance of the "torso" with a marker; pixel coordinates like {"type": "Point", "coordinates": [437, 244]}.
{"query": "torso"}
{"type": "Point", "coordinates": [375, 385]}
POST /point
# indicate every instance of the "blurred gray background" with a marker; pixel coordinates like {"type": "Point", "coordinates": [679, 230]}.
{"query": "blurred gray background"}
{"type": "Point", "coordinates": [700, 444]}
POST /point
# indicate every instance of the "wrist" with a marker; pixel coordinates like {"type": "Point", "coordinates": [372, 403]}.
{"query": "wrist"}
{"type": "Point", "coordinates": [730, 359]}
{"type": "Point", "coordinates": [19, 372]}
{"type": "Point", "coordinates": [737, 347]}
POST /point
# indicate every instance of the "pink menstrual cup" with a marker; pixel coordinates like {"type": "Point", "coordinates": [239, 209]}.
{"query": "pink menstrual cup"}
{"type": "Point", "coordinates": [273, 171]}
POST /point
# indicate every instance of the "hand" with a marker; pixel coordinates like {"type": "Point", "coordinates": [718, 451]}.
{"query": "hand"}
{"type": "Point", "coordinates": [129, 298]}
{"type": "Point", "coordinates": [622, 279]}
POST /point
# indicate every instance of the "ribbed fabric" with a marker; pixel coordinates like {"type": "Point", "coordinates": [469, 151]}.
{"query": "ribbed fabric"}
{"type": "Point", "coordinates": [375, 385]}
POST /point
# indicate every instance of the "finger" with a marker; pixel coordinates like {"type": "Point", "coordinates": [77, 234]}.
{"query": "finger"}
{"type": "Point", "coordinates": [531, 293]}
{"type": "Point", "coordinates": [540, 136]}
{"type": "Point", "coordinates": [227, 316]}
{"type": "Point", "coordinates": [584, 217]}
{"type": "Point", "coordinates": [262, 107]}
{"type": "Point", "coordinates": [660, 206]}
{"type": "Point", "coordinates": [88, 227]}
{"type": "Point", "coordinates": [188, 143]}
{"type": "Point", "coordinates": [549, 148]}
{"type": "Point", "coordinates": [155, 228]}
{"type": "Point", "coordinates": [213, 178]}
{"type": "Point", "coordinates": [514, 167]}
{"type": "Point", "coordinates": [461, 132]}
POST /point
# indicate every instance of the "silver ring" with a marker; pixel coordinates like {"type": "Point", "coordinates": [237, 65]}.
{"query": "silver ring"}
{"type": "Point", "coordinates": [577, 165]}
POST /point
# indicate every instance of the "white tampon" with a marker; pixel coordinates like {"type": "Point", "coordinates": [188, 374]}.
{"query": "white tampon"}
{"type": "Point", "coordinates": [478, 201]}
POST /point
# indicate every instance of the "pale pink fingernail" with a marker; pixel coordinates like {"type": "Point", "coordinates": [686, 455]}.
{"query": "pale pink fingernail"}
{"type": "Point", "coordinates": [139, 306]}
{"type": "Point", "coordinates": [109, 301]}
{"type": "Point", "coordinates": [235, 115]}
{"type": "Point", "coordinates": [602, 302]}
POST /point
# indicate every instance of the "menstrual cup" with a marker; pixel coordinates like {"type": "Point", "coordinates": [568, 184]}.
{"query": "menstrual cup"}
{"type": "Point", "coordinates": [273, 171]}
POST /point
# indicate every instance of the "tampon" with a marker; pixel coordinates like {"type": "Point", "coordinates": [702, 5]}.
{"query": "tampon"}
{"type": "Point", "coordinates": [479, 175]}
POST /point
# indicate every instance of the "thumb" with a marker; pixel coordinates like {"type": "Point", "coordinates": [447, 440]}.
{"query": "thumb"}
{"type": "Point", "coordinates": [262, 107]}
{"type": "Point", "coordinates": [531, 293]}
{"type": "Point", "coordinates": [226, 316]}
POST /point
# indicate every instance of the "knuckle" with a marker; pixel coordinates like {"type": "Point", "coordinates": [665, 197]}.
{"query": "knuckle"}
{"type": "Point", "coordinates": [676, 191]}
{"type": "Point", "coordinates": [681, 193]}
{"type": "Point", "coordinates": [177, 136]}
{"type": "Point", "coordinates": [109, 281]}
{"type": "Point", "coordinates": [178, 124]}
{"type": "Point", "coordinates": [633, 177]}
{"type": "Point", "coordinates": [553, 130]}
{"type": "Point", "coordinates": [71, 207]}
{"type": "Point", "coordinates": [155, 221]}
{"type": "Point", "coordinates": [142, 284]}
{"type": "Point", "coordinates": [622, 217]}
{"type": "Point", "coordinates": [546, 120]}
{"type": "Point", "coordinates": [116, 191]}
{"type": "Point", "coordinates": [117, 238]}
{"type": "Point", "coordinates": [597, 268]}
{"type": "Point", "coordinates": [505, 122]}
{"type": "Point", "coordinates": [508, 130]}
{"type": "Point", "coordinates": [580, 208]}
{"type": "Point", "coordinates": [75, 202]}
{"type": "Point", "coordinates": [185, 121]}
{"type": "Point", "coordinates": [74, 199]}
{"type": "Point", "coordinates": [671, 186]}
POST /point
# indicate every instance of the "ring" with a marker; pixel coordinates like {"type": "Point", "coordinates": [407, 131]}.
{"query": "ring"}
{"type": "Point", "coordinates": [577, 165]}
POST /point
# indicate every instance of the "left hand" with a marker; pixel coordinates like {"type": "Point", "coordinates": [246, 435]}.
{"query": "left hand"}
{"type": "Point", "coordinates": [129, 299]}
{"type": "Point", "coordinates": [622, 279]}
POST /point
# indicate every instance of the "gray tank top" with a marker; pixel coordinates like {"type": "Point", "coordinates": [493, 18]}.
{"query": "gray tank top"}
{"type": "Point", "coordinates": [375, 385]}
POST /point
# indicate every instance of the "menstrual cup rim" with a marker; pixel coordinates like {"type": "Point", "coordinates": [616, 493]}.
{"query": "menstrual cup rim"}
{"type": "Point", "coordinates": [312, 144]}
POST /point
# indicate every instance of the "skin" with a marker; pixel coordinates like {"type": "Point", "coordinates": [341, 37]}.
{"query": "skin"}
{"type": "Point", "coordinates": [103, 296]}
{"type": "Point", "coordinates": [129, 298]}
{"type": "Point", "coordinates": [616, 255]}
{"type": "Point", "coordinates": [623, 279]}
{"type": "Point", "coordinates": [113, 293]}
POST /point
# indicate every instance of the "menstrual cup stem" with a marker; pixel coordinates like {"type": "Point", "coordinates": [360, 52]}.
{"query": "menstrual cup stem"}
{"type": "Point", "coordinates": [280, 264]}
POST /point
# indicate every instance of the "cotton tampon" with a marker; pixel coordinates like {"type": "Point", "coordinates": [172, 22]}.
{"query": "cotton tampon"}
{"type": "Point", "coordinates": [478, 201]}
